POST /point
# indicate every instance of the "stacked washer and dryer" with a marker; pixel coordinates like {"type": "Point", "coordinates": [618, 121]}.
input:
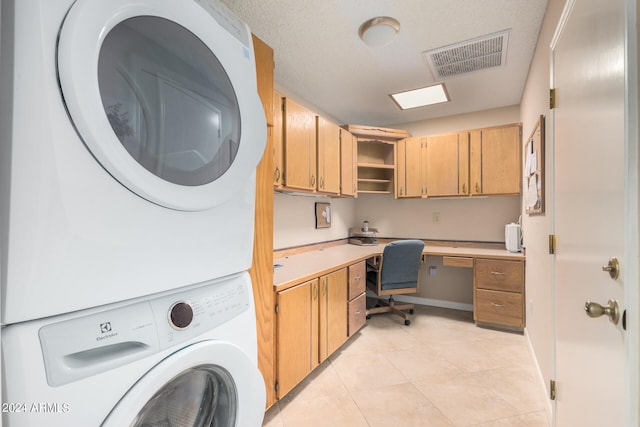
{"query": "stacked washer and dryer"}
{"type": "Point", "coordinates": [129, 136]}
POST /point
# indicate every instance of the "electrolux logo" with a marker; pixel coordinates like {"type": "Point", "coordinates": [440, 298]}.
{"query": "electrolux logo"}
{"type": "Point", "coordinates": [105, 330]}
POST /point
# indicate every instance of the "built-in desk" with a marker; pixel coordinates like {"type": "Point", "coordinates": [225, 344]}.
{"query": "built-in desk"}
{"type": "Point", "coordinates": [320, 298]}
{"type": "Point", "coordinates": [298, 268]}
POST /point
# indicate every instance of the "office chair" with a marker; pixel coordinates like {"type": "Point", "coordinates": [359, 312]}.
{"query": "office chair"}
{"type": "Point", "coordinates": [395, 272]}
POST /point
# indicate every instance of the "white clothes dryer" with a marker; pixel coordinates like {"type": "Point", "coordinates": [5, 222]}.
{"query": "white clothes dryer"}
{"type": "Point", "coordinates": [130, 135]}
{"type": "Point", "coordinates": [179, 359]}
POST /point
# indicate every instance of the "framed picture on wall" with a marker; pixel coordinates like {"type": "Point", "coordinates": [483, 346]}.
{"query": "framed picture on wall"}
{"type": "Point", "coordinates": [323, 215]}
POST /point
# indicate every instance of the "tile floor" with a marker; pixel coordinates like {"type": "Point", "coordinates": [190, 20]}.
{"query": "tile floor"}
{"type": "Point", "coordinates": [442, 370]}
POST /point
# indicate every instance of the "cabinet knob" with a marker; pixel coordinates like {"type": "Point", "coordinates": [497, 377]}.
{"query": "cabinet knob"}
{"type": "Point", "coordinates": [313, 180]}
{"type": "Point", "coordinates": [477, 187]}
{"type": "Point", "coordinates": [277, 174]}
{"type": "Point", "coordinates": [464, 188]}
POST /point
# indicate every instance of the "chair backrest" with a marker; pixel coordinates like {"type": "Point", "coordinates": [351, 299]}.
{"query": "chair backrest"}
{"type": "Point", "coordinates": [401, 264]}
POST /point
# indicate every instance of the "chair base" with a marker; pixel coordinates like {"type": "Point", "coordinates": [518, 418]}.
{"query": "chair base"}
{"type": "Point", "coordinates": [390, 306]}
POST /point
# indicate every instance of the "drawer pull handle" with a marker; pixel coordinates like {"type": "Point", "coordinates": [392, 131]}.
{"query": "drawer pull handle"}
{"type": "Point", "coordinates": [358, 312]}
{"type": "Point", "coordinates": [497, 273]}
{"type": "Point", "coordinates": [357, 278]}
{"type": "Point", "coordinates": [493, 304]}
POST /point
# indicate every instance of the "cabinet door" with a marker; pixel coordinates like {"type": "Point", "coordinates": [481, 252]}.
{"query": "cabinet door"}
{"type": "Point", "coordinates": [278, 141]}
{"type": "Point", "coordinates": [463, 163]}
{"type": "Point", "coordinates": [409, 168]}
{"type": "Point", "coordinates": [348, 173]}
{"type": "Point", "coordinates": [442, 165]}
{"type": "Point", "coordinates": [297, 338]}
{"type": "Point", "coordinates": [413, 169]}
{"type": "Point", "coordinates": [328, 144]}
{"type": "Point", "coordinates": [333, 312]}
{"type": "Point", "coordinates": [299, 146]}
{"type": "Point", "coordinates": [495, 160]}
{"type": "Point", "coordinates": [501, 160]}
{"type": "Point", "coordinates": [475, 162]}
{"type": "Point", "coordinates": [401, 169]}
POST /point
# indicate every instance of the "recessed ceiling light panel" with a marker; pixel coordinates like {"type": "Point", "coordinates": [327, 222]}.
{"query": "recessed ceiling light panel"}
{"type": "Point", "coordinates": [421, 97]}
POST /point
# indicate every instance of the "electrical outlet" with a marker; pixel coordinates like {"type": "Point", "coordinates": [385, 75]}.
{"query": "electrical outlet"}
{"type": "Point", "coordinates": [436, 218]}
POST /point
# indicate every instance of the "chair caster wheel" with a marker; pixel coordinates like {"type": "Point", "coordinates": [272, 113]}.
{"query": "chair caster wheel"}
{"type": "Point", "coordinates": [411, 311]}
{"type": "Point", "coordinates": [407, 322]}
{"type": "Point", "coordinates": [368, 317]}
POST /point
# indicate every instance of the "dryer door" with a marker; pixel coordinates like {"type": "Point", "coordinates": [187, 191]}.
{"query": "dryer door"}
{"type": "Point", "coordinates": [210, 383]}
{"type": "Point", "coordinates": [163, 93]}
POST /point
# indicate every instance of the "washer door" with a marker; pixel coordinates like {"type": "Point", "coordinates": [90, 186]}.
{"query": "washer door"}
{"type": "Point", "coordinates": [210, 383]}
{"type": "Point", "coordinates": [164, 97]}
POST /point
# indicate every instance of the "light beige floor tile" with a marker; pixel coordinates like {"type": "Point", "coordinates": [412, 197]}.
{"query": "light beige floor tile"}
{"type": "Point", "coordinates": [465, 402]}
{"type": "Point", "coordinates": [421, 363]}
{"type": "Point", "coordinates": [367, 372]}
{"type": "Point", "coordinates": [536, 419]}
{"type": "Point", "coordinates": [518, 385]}
{"type": "Point", "coordinates": [374, 338]}
{"type": "Point", "coordinates": [272, 417]}
{"type": "Point", "coordinates": [398, 405]}
{"type": "Point", "coordinates": [483, 353]}
{"type": "Point", "coordinates": [324, 381]}
{"type": "Point", "coordinates": [337, 411]}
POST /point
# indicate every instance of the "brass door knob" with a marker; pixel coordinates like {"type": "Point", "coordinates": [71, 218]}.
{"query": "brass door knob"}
{"type": "Point", "coordinates": [611, 310]}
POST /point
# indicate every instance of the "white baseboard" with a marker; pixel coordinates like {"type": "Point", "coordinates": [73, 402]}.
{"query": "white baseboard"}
{"type": "Point", "coordinates": [548, 407]}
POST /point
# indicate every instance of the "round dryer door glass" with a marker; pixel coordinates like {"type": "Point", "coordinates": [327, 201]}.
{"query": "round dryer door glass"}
{"type": "Point", "coordinates": [204, 396]}
{"type": "Point", "coordinates": [169, 100]}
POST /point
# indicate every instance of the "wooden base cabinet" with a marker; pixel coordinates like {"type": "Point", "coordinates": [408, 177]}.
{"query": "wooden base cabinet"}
{"type": "Point", "coordinates": [297, 332]}
{"type": "Point", "coordinates": [332, 312]}
{"type": "Point", "coordinates": [311, 325]}
{"type": "Point", "coordinates": [499, 292]}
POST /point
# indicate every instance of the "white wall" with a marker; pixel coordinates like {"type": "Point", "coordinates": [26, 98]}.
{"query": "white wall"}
{"type": "Point", "coordinates": [295, 220]}
{"type": "Point", "coordinates": [536, 229]}
{"type": "Point", "coordinates": [469, 218]}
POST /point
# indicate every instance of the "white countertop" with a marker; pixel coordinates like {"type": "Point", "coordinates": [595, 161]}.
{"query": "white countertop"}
{"type": "Point", "coordinates": [301, 267]}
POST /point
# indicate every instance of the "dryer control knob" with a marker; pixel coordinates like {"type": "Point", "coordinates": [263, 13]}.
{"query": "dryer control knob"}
{"type": "Point", "coordinates": [180, 315]}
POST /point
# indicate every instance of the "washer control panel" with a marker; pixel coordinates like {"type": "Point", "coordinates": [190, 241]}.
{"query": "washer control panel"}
{"type": "Point", "coordinates": [80, 346]}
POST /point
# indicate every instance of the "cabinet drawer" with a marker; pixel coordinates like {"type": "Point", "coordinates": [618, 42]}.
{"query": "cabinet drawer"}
{"type": "Point", "coordinates": [357, 279]}
{"type": "Point", "coordinates": [501, 308]}
{"type": "Point", "coordinates": [457, 261]}
{"type": "Point", "coordinates": [499, 275]}
{"type": "Point", "coordinates": [357, 314]}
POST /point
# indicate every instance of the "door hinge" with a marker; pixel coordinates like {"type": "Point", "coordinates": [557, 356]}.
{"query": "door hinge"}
{"type": "Point", "coordinates": [277, 308]}
{"type": "Point", "coordinates": [552, 389]}
{"type": "Point", "coordinates": [552, 99]}
{"type": "Point", "coordinates": [552, 244]}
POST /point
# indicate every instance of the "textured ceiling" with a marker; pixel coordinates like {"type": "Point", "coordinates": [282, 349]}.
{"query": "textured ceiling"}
{"type": "Point", "coordinates": [321, 62]}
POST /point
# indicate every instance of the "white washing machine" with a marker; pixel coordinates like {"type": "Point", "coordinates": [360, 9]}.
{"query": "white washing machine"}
{"type": "Point", "coordinates": [182, 359]}
{"type": "Point", "coordinates": [130, 131]}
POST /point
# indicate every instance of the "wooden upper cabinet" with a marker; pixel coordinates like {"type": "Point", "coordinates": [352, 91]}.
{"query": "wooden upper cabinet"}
{"type": "Point", "coordinates": [278, 142]}
{"type": "Point", "coordinates": [447, 160]}
{"type": "Point", "coordinates": [411, 173]}
{"type": "Point", "coordinates": [495, 163]}
{"type": "Point", "coordinates": [349, 169]}
{"type": "Point", "coordinates": [299, 146]}
{"type": "Point", "coordinates": [328, 146]}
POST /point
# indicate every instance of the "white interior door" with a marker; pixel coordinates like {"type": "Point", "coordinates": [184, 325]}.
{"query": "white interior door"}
{"type": "Point", "coordinates": [588, 73]}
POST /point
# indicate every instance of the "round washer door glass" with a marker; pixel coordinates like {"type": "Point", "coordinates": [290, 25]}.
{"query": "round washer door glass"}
{"type": "Point", "coordinates": [169, 100]}
{"type": "Point", "coordinates": [202, 396]}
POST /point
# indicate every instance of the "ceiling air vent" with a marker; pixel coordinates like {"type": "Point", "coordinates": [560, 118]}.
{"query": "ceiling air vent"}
{"type": "Point", "coordinates": [469, 56]}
